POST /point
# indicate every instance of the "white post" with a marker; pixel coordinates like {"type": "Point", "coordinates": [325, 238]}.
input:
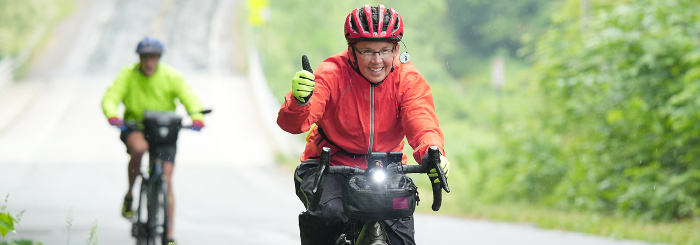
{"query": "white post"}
{"type": "Point", "coordinates": [498, 77]}
{"type": "Point", "coordinates": [498, 73]}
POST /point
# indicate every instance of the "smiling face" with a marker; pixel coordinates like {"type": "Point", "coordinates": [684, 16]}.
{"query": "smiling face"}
{"type": "Point", "coordinates": [374, 59]}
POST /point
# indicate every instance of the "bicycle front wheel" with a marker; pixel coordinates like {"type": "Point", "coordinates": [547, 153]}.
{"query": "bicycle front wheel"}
{"type": "Point", "coordinates": [139, 228]}
{"type": "Point", "coordinates": [158, 214]}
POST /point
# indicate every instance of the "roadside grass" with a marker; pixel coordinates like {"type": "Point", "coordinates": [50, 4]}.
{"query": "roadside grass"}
{"type": "Point", "coordinates": [24, 18]}
{"type": "Point", "coordinates": [64, 9]}
{"type": "Point", "coordinates": [456, 205]}
{"type": "Point", "coordinates": [681, 232]}
{"type": "Point", "coordinates": [9, 223]}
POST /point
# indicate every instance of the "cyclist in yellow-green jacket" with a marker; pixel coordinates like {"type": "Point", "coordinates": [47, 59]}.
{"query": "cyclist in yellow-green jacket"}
{"type": "Point", "coordinates": [148, 85]}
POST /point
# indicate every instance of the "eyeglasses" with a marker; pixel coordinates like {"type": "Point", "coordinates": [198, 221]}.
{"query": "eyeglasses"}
{"type": "Point", "coordinates": [369, 54]}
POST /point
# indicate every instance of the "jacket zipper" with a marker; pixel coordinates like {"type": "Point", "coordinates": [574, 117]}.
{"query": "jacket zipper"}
{"type": "Point", "coordinates": [371, 121]}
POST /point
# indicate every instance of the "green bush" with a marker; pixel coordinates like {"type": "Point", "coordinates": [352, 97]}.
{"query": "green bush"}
{"type": "Point", "coordinates": [624, 96]}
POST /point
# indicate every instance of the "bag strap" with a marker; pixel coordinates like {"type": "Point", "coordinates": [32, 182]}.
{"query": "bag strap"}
{"type": "Point", "coordinates": [340, 149]}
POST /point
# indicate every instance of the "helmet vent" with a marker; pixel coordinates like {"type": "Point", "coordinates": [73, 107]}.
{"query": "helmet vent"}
{"type": "Point", "coordinates": [375, 20]}
{"type": "Point", "coordinates": [353, 26]}
{"type": "Point", "coordinates": [387, 17]}
{"type": "Point", "coordinates": [396, 25]}
{"type": "Point", "coordinates": [363, 21]}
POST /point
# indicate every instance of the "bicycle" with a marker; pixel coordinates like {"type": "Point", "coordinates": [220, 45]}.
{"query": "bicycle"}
{"type": "Point", "coordinates": [364, 220]}
{"type": "Point", "coordinates": [150, 224]}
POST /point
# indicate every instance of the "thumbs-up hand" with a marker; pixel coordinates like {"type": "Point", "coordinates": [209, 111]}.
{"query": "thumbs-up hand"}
{"type": "Point", "coordinates": [303, 82]}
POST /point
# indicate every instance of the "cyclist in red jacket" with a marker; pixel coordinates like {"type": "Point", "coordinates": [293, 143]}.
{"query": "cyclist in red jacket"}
{"type": "Point", "coordinates": [362, 100]}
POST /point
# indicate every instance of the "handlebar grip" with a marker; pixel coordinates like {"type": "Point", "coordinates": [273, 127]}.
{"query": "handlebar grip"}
{"type": "Point", "coordinates": [305, 64]}
{"type": "Point", "coordinates": [412, 169]}
{"type": "Point", "coordinates": [437, 196]}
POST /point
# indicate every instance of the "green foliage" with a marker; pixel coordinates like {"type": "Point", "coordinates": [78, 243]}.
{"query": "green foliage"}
{"type": "Point", "coordinates": [20, 19]}
{"type": "Point", "coordinates": [7, 224]}
{"type": "Point", "coordinates": [7, 221]}
{"type": "Point", "coordinates": [624, 90]}
{"type": "Point", "coordinates": [486, 28]}
{"type": "Point", "coordinates": [20, 242]}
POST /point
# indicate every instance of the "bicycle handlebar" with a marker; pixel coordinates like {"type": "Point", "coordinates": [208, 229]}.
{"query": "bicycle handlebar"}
{"type": "Point", "coordinates": [135, 123]}
{"type": "Point", "coordinates": [433, 162]}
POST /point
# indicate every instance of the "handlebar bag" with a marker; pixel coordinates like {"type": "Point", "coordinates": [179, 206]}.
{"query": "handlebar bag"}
{"type": "Point", "coordinates": [161, 127]}
{"type": "Point", "coordinates": [364, 199]}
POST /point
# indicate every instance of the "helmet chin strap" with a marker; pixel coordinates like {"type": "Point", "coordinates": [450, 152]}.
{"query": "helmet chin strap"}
{"type": "Point", "coordinates": [356, 68]}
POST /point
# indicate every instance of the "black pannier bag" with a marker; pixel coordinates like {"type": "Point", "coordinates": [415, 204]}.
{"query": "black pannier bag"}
{"type": "Point", "coordinates": [395, 198]}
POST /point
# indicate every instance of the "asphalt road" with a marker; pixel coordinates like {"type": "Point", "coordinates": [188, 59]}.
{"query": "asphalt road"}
{"type": "Point", "coordinates": [62, 163]}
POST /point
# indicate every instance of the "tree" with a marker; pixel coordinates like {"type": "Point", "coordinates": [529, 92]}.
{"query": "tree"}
{"type": "Point", "coordinates": [493, 27]}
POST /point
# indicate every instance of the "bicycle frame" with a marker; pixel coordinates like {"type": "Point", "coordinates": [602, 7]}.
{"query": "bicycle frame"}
{"type": "Point", "coordinates": [152, 214]}
{"type": "Point", "coordinates": [152, 222]}
{"type": "Point", "coordinates": [150, 227]}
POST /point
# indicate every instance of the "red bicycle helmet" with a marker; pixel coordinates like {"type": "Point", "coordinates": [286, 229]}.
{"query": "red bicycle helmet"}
{"type": "Point", "coordinates": [358, 27]}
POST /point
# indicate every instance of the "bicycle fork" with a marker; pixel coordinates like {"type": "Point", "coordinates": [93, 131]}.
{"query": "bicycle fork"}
{"type": "Point", "coordinates": [372, 233]}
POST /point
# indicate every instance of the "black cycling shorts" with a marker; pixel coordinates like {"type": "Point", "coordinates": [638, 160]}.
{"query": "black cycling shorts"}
{"type": "Point", "coordinates": [165, 152]}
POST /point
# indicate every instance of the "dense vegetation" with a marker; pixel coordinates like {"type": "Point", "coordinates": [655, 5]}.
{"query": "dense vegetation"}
{"type": "Point", "coordinates": [596, 116]}
{"type": "Point", "coordinates": [627, 107]}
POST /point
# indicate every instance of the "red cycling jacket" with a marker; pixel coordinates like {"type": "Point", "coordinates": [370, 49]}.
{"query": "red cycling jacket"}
{"type": "Point", "coordinates": [357, 117]}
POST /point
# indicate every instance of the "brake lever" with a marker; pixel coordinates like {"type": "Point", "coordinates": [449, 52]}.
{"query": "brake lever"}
{"type": "Point", "coordinates": [434, 155]}
{"type": "Point", "coordinates": [441, 176]}
{"type": "Point", "coordinates": [323, 169]}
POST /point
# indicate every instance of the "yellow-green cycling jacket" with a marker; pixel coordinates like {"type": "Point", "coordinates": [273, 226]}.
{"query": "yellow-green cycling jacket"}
{"type": "Point", "coordinates": [155, 93]}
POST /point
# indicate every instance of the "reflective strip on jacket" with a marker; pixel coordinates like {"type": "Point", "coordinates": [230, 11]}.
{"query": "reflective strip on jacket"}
{"type": "Point", "coordinates": [155, 93]}
{"type": "Point", "coordinates": [342, 106]}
